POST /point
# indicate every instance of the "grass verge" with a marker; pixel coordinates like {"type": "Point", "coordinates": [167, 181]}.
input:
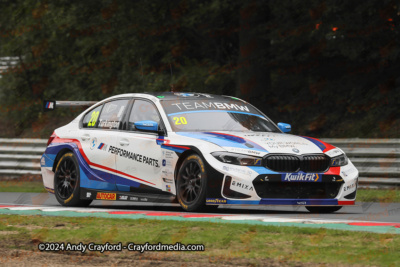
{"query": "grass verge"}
{"type": "Point", "coordinates": [378, 195]}
{"type": "Point", "coordinates": [22, 186]}
{"type": "Point", "coordinates": [224, 243]}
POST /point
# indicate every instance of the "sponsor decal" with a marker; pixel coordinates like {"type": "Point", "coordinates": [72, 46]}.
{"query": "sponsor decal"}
{"type": "Point", "coordinates": [167, 172]}
{"type": "Point", "coordinates": [192, 95]}
{"type": "Point", "coordinates": [106, 196]}
{"type": "Point", "coordinates": [243, 151]}
{"type": "Point", "coordinates": [168, 187]}
{"type": "Point", "coordinates": [133, 156]}
{"type": "Point", "coordinates": [241, 186]}
{"type": "Point", "coordinates": [123, 197]}
{"type": "Point", "coordinates": [301, 177]}
{"type": "Point", "coordinates": [287, 144]}
{"type": "Point", "coordinates": [133, 198]}
{"type": "Point", "coordinates": [88, 194]}
{"type": "Point", "coordinates": [168, 154]}
{"type": "Point", "coordinates": [266, 139]}
{"type": "Point", "coordinates": [216, 201]}
{"type": "Point", "coordinates": [167, 163]}
{"type": "Point", "coordinates": [258, 162]}
{"type": "Point", "coordinates": [263, 137]}
{"type": "Point", "coordinates": [349, 187]}
{"type": "Point", "coordinates": [102, 146]}
{"type": "Point", "coordinates": [243, 171]}
{"type": "Point", "coordinates": [93, 143]}
{"type": "Point", "coordinates": [253, 152]}
{"type": "Point", "coordinates": [347, 170]}
{"type": "Point", "coordinates": [143, 199]}
{"type": "Point", "coordinates": [186, 94]}
{"type": "Point", "coordinates": [43, 161]}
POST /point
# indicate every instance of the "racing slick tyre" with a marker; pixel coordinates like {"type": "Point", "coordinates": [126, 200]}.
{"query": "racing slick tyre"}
{"type": "Point", "coordinates": [328, 209]}
{"type": "Point", "coordinates": [191, 184]}
{"type": "Point", "coordinates": [66, 182]}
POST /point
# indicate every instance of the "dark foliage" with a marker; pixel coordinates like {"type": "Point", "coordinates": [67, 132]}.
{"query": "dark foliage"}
{"type": "Point", "coordinates": [329, 68]}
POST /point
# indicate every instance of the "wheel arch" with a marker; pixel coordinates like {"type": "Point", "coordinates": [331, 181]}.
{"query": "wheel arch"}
{"type": "Point", "coordinates": [59, 155]}
{"type": "Point", "coordinates": [182, 157]}
{"type": "Point", "coordinates": [214, 184]}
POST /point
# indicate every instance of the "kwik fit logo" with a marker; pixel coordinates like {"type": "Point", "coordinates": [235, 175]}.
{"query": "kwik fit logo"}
{"type": "Point", "coordinates": [301, 177]}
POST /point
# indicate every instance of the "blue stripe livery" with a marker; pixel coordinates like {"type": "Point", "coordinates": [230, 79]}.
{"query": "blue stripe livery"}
{"type": "Point", "coordinates": [224, 140]}
{"type": "Point", "coordinates": [315, 142]}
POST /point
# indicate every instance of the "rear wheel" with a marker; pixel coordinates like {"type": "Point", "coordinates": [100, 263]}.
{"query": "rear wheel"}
{"type": "Point", "coordinates": [191, 184]}
{"type": "Point", "coordinates": [66, 182]}
{"type": "Point", "coordinates": [327, 209]}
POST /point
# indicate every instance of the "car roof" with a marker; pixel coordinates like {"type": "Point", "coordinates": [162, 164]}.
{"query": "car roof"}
{"type": "Point", "coordinates": [163, 96]}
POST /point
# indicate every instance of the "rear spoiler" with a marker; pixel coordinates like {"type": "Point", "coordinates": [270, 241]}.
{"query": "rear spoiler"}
{"type": "Point", "coordinates": [49, 105]}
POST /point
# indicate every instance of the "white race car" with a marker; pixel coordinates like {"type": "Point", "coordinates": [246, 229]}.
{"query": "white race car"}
{"type": "Point", "coordinates": [195, 149]}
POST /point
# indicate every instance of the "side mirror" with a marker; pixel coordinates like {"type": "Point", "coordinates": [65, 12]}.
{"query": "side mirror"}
{"type": "Point", "coordinates": [284, 127]}
{"type": "Point", "coordinates": [150, 126]}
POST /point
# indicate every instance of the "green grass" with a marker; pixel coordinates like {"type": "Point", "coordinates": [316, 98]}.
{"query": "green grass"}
{"type": "Point", "coordinates": [378, 195]}
{"type": "Point", "coordinates": [223, 242]}
{"type": "Point", "coordinates": [22, 186]}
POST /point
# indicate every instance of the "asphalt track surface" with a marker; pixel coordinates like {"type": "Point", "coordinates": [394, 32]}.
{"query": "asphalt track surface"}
{"type": "Point", "coordinates": [367, 211]}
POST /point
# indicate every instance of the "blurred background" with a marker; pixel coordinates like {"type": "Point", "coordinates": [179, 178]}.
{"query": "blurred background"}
{"type": "Point", "coordinates": [329, 68]}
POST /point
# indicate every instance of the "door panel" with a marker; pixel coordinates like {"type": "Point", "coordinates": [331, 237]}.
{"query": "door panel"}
{"type": "Point", "coordinates": [140, 160]}
{"type": "Point", "coordinates": [141, 156]}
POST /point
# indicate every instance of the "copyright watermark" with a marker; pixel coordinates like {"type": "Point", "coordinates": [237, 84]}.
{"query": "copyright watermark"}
{"type": "Point", "coordinates": [81, 247]}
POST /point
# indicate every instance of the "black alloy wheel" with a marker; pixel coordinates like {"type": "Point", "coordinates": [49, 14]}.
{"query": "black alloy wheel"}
{"type": "Point", "coordinates": [190, 187]}
{"type": "Point", "coordinates": [66, 182]}
{"type": "Point", "coordinates": [191, 183]}
{"type": "Point", "coordinates": [67, 178]}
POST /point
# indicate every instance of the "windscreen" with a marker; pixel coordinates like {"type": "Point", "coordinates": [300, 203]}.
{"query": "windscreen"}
{"type": "Point", "coordinates": [208, 115]}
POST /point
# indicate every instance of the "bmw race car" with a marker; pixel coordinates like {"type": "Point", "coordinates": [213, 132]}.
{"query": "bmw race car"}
{"type": "Point", "coordinates": [199, 150]}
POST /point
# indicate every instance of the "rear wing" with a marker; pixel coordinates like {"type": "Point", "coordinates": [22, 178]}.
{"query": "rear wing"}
{"type": "Point", "coordinates": [49, 105]}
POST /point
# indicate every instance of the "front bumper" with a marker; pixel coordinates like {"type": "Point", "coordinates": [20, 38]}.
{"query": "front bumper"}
{"type": "Point", "coordinates": [261, 186]}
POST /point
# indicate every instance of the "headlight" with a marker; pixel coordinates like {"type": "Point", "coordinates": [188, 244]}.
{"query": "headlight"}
{"type": "Point", "coordinates": [341, 160]}
{"type": "Point", "coordinates": [237, 159]}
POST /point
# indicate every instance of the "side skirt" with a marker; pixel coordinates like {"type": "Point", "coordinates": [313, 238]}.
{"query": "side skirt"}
{"type": "Point", "coordinates": [86, 193]}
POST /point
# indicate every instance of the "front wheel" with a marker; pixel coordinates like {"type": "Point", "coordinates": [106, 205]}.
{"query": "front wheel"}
{"type": "Point", "coordinates": [66, 182]}
{"type": "Point", "coordinates": [326, 209]}
{"type": "Point", "coordinates": [191, 184]}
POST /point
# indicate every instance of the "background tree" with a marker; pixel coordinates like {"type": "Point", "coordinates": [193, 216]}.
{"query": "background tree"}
{"type": "Point", "coordinates": [329, 68]}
